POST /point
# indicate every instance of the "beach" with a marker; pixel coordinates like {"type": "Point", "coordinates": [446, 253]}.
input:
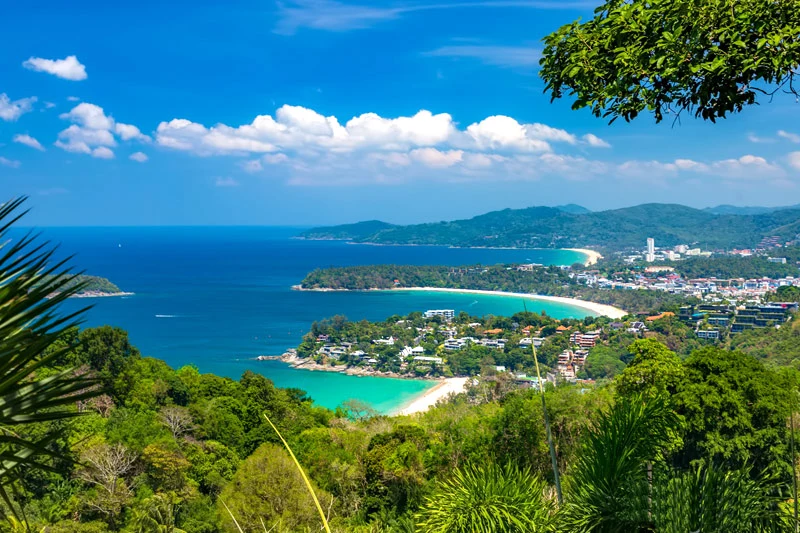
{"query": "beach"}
{"type": "Point", "coordinates": [428, 399]}
{"type": "Point", "coordinates": [592, 256]}
{"type": "Point", "coordinates": [599, 309]}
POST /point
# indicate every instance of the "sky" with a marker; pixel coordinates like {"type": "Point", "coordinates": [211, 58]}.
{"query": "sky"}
{"type": "Point", "coordinates": [311, 112]}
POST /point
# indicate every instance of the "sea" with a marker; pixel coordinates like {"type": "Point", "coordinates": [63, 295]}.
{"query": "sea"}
{"type": "Point", "coordinates": [218, 297]}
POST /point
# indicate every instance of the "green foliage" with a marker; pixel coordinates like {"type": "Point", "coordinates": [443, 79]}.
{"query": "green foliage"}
{"type": "Point", "coordinates": [30, 323]}
{"type": "Point", "coordinates": [550, 281]}
{"type": "Point", "coordinates": [705, 57]}
{"type": "Point", "coordinates": [268, 487]}
{"type": "Point", "coordinates": [751, 406]}
{"type": "Point", "coordinates": [607, 490]}
{"type": "Point", "coordinates": [654, 370]}
{"type": "Point", "coordinates": [87, 285]}
{"type": "Point", "coordinates": [488, 499]}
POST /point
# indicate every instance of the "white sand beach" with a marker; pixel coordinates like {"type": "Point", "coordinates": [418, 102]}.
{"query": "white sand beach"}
{"type": "Point", "coordinates": [429, 398]}
{"type": "Point", "coordinates": [600, 309]}
{"type": "Point", "coordinates": [592, 256]}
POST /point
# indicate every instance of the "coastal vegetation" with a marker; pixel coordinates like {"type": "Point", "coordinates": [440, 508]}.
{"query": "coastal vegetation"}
{"type": "Point", "coordinates": [546, 281]}
{"type": "Point", "coordinates": [98, 438]}
{"type": "Point", "coordinates": [86, 285]}
{"type": "Point", "coordinates": [616, 229]}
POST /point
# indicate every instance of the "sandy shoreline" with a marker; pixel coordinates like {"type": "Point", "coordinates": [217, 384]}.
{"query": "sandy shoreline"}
{"type": "Point", "coordinates": [600, 309]}
{"type": "Point", "coordinates": [592, 256]}
{"type": "Point", "coordinates": [429, 398]}
{"type": "Point", "coordinates": [597, 308]}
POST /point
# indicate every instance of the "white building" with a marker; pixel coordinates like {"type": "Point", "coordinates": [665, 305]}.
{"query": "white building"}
{"type": "Point", "coordinates": [651, 250]}
{"type": "Point", "coordinates": [447, 314]}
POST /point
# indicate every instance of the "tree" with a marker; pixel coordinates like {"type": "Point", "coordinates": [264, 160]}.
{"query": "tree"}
{"type": "Point", "coordinates": [269, 487]}
{"type": "Point", "coordinates": [156, 515]}
{"type": "Point", "coordinates": [653, 370]}
{"type": "Point", "coordinates": [705, 57]}
{"type": "Point", "coordinates": [487, 498]}
{"type": "Point", "coordinates": [32, 289]}
{"type": "Point", "coordinates": [177, 419]}
{"type": "Point", "coordinates": [105, 467]}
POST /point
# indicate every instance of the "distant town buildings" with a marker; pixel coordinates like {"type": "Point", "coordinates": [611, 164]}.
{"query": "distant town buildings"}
{"type": "Point", "coordinates": [651, 250]}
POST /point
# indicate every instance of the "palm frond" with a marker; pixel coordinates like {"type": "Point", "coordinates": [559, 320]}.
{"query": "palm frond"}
{"type": "Point", "coordinates": [33, 285]}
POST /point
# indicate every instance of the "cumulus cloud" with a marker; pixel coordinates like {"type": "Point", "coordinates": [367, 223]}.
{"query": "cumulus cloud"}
{"type": "Point", "coordinates": [93, 132]}
{"type": "Point", "coordinates": [127, 132]}
{"type": "Point", "coordinates": [437, 159]}
{"type": "Point", "coordinates": [102, 152]}
{"type": "Point", "coordinates": [27, 140]}
{"type": "Point", "coordinates": [10, 110]}
{"type": "Point", "coordinates": [68, 68]}
{"type": "Point", "coordinates": [595, 141]}
{"type": "Point", "coordinates": [504, 133]}
{"type": "Point", "coordinates": [226, 182]}
{"type": "Point", "coordinates": [139, 157]}
{"type": "Point", "coordinates": [9, 162]}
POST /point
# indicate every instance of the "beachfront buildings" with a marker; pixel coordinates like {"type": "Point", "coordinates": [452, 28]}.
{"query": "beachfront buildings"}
{"type": "Point", "coordinates": [447, 314]}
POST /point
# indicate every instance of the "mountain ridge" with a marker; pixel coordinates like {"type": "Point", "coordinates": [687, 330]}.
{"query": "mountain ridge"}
{"type": "Point", "coordinates": [553, 227]}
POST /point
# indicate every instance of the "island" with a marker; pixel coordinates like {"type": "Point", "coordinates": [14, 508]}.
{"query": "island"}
{"type": "Point", "coordinates": [91, 287]}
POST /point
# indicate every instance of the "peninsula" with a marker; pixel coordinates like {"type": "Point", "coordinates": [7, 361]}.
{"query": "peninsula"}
{"type": "Point", "coordinates": [526, 280]}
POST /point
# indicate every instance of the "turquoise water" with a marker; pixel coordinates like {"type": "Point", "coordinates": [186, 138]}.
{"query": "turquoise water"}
{"type": "Point", "coordinates": [218, 297]}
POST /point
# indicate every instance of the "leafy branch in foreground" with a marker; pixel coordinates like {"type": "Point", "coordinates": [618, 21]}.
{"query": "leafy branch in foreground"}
{"type": "Point", "coordinates": [29, 324]}
{"type": "Point", "coordinates": [705, 57]}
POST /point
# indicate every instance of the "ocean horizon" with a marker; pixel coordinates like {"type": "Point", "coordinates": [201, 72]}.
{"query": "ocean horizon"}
{"type": "Point", "coordinates": [218, 297]}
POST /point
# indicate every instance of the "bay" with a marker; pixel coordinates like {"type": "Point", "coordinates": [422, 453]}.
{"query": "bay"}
{"type": "Point", "coordinates": [217, 297]}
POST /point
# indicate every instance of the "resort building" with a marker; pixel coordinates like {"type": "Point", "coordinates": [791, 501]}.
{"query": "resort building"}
{"type": "Point", "coordinates": [447, 314]}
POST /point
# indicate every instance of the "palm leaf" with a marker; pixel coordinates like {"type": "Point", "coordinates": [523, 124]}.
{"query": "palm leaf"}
{"type": "Point", "coordinates": [32, 287]}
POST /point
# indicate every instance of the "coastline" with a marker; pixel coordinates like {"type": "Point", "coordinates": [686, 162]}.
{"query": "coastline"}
{"type": "Point", "coordinates": [600, 309]}
{"type": "Point", "coordinates": [592, 256]}
{"type": "Point", "coordinates": [95, 294]}
{"type": "Point", "coordinates": [597, 308]}
{"type": "Point", "coordinates": [428, 399]}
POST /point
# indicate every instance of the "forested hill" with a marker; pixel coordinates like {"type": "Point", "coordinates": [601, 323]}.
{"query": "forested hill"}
{"type": "Point", "coordinates": [550, 227]}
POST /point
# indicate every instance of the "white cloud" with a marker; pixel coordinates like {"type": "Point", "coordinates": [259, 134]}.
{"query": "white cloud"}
{"type": "Point", "coordinates": [9, 162]}
{"type": "Point", "coordinates": [499, 56]}
{"type": "Point", "coordinates": [504, 133]}
{"type": "Point", "coordinates": [68, 68]}
{"type": "Point", "coordinates": [27, 140]}
{"type": "Point", "coordinates": [139, 157]}
{"type": "Point", "coordinates": [793, 137]}
{"type": "Point", "coordinates": [101, 152]}
{"type": "Point", "coordinates": [127, 132]}
{"type": "Point", "coordinates": [12, 110]}
{"type": "Point", "coordinates": [274, 159]}
{"type": "Point", "coordinates": [595, 141]}
{"type": "Point", "coordinates": [73, 99]}
{"type": "Point", "coordinates": [49, 105]}
{"type": "Point", "coordinates": [794, 160]}
{"type": "Point", "coordinates": [744, 167]}
{"type": "Point", "coordinates": [436, 159]}
{"type": "Point", "coordinates": [92, 129]}
{"type": "Point", "coordinates": [89, 116]}
{"type": "Point", "coordinates": [226, 182]}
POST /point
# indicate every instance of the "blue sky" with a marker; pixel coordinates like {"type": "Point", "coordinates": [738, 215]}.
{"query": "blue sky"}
{"type": "Point", "coordinates": [316, 111]}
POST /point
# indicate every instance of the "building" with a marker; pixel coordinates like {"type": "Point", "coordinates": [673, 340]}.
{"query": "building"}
{"type": "Point", "coordinates": [708, 334]}
{"type": "Point", "coordinates": [781, 260]}
{"type": "Point", "coordinates": [447, 314]}
{"type": "Point", "coordinates": [651, 250]}
{"type": "Point", "coordinates": [585, 340]}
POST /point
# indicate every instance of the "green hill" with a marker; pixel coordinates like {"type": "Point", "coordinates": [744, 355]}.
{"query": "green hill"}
{"type": "Point", "coordinates": [357, 231]}
{"type": "Point", "coordinates": [552, 227]}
